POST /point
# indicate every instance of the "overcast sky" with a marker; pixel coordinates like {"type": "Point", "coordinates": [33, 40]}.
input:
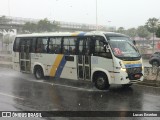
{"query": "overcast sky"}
{"type": "Point", "coordinates": [125, 13]}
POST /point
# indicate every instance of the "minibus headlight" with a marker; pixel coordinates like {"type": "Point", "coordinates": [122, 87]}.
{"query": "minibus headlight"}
{"type": "Point", "coordinates": [123, 69]}
{"type": "Point", "coordinates": [142, 67]}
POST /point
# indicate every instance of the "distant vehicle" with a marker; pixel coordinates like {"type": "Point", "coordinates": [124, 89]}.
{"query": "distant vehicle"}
{"type": "Point", "coordinates": [103, 58]}
{"type": "Point", "coordinates": [155, 59]}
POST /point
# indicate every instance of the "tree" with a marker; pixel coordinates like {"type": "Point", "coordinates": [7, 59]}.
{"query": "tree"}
{"type": "Point", "coordinates": [7, 39]}
{"type": "Point", "coordinates": [44, 26]}
{"type": "Point", "coordinates": [5, 20]}
{"type": "Point", "coordinates": [132, 32]}
{"type": "Point", "coordinates": [151, 25]}
{"type": "Point", "coordinates": [56, 26]}
{"type": "Point", "coordinates": [1, 39]}
{"type": "Point", "coordinates": [1, 36]}
{"type": "Point", "coordinates": [121, 30]}
{"type": "Point", "coordinates": [142, 32]}
{"type": "Point", "coordinates": [29, 27]}
{"type": "Point", "coordinates": [158, 32]}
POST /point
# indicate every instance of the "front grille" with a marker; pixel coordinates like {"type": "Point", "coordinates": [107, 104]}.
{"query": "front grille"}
{"type": "Point", "coordinates": [132, 76]}
{"type": "Point", "coordinates": [134, 70]}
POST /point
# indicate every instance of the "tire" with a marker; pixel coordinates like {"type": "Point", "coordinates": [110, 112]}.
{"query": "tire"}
{"type": "Point", "coordinates": [126, 85]}
{"type": "Point", "coordinates": [47, 77]}
{"type": "Point", "coordinates": [101, 82]}
{"type": "Point", "coordinates": [155, 63]}
{"type": "Point", "coordinates": [38, 73]}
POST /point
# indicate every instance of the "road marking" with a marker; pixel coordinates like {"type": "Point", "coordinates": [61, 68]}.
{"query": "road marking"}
{"type": "Point", "coordinates": [4, 94]}
{"type": "Point", "coordinates": [147, 86]}
{"type": "Point", "coordinates": [78, 88]}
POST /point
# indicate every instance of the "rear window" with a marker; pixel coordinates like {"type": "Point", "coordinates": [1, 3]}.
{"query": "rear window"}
{"type": "Point", "coordinates": [16, 45]}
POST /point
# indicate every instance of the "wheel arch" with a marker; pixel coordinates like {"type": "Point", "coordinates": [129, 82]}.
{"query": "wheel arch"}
{"type": "Point", "coordinates": [38, 64]}
{"type": "Point", "coordinates": [100, 70]}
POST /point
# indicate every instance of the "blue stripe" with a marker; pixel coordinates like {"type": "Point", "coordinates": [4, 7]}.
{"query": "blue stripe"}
{"type": "Point", "coordinates": [82, 34]}
{"type": "Point", "coordinates": [133, 65]}
{"type": "Point", "coordinates": [60, 67]}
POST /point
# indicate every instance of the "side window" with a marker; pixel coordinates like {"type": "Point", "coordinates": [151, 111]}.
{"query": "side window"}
{"type": "Point", "coordinates": [99, 48]}
{"type": "Point", "coordinates": [25, 45]}
{"type": "Point", "coordinates": [85, 45]}
{"type": "Point", "coordinates": [16, 47]}
{"type": "Point", "coordinates": [28, 45]}
{"type": "Point", "coordinates": [80, 50]}
{"type": "Point", "coordinates": [42, 44]}
{"type": "Point", "coordinates": [99, 45]}
{"type": "Point", "coordinates": [88, 46]}
{"type": "Point", "coordinates": [33, 45]}
{"type": "Point", "coordinates": [55, 45]}
{"type": "Point", "coordinates": [69, 45]}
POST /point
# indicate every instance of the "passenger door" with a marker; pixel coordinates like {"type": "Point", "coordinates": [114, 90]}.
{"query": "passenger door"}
{"type": "Point", "coordinates": [84, 58]}
{"type": "Point", "coordinates": [25, 57]}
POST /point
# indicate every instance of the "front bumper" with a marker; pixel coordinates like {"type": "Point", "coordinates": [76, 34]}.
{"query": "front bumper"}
{"type": "Point", "coordinates": [131, 75]}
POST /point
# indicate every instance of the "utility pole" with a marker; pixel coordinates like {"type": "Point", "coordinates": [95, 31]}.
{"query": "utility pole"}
{"type": "Point", "coordinates": [96, 17]}
{"type": "Point", "coordinates": [8, 7]}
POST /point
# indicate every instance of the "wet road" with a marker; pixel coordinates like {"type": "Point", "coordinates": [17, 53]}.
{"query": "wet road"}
{"type": "Point", "coordinates": [20, 91]}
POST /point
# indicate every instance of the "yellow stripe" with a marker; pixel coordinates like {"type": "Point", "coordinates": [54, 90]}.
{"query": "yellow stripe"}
{"type": "Point", "coordinates": [55, 65]}
{"type": "Point", "coordinates": [75, 34]}
{"type": "Point", "coordinates": [132, 62]}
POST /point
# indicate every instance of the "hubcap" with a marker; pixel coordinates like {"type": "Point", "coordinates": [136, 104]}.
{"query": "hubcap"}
{"type": "Point", "coordinates": [38, 74]}
{"type": "Point", "coordinates": [100, 82]}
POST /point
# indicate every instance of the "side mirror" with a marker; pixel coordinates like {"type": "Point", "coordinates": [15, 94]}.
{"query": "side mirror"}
{"type": "Point", "coordinates": [106, 48]}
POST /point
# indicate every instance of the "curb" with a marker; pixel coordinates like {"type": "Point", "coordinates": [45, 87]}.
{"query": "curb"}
{"type": "Point", "coordinates": [154, 83]}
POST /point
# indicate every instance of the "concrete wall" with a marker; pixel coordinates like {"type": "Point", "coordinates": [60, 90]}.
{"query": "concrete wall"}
{"type": "Point", "coordinates": [152, 73]}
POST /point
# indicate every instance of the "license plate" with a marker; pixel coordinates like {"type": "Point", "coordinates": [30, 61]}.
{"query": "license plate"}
{"type": "Point", "coordinates": [137, 76]}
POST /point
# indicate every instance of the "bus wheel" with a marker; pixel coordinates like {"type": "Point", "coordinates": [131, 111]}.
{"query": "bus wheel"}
{"type": "Point", "coordinates": [101, 82]}
{"type": "Point", "coordinates": [47, 77]}
{"type": "Point", "coordinates": [126, 85]}
{"type": "Point", "coordinates": [38, 72]}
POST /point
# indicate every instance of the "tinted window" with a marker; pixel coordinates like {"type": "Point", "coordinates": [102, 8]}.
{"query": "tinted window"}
{"type": "Point", "coordinates": [100, 49]}
{"type": "Point", "coordinates": [16, 45]}
{"type": "Point", "coordinates": [42, 45]}
{"type": "Point", "coordinates": [25, 44]}
{"type": "Point", "coordinates": [85, 46]}
{"type": "Point", "coordinates": [69, 45]}
{"type": "Point", "coordinates": [55, 45]}
{"type": "Point", "coordinates": [99, 45]}
{"type": "Point", "coordinates": [33, 47]}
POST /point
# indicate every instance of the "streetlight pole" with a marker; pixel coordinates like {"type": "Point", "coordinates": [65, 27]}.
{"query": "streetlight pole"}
{"type": "Point", "coordinates": [109, 26]}
{"type": "Point", "coordinates": [8, 7]}
{"type": "Point", "coordinates": [96, 17]}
